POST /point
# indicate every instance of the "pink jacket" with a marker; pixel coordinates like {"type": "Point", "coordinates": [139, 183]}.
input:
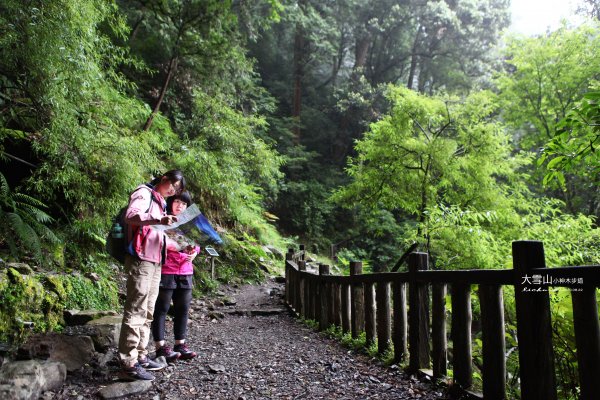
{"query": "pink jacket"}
{"type": "Point", "coordinates": [177, 262]}
{"type": "Point", "coordinates": [148, 243]}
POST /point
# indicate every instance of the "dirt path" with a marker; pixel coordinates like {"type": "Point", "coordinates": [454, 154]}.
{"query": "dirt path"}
{"type": "Point", "coordinates": [243, 355]}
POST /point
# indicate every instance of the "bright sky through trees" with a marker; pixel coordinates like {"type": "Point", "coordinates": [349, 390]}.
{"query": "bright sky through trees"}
{"type": "Point", "coordinates": [531, 17]}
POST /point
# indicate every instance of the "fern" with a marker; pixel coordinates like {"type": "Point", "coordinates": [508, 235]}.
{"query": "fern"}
{"type": "Point", "coordinates": [24, 225]}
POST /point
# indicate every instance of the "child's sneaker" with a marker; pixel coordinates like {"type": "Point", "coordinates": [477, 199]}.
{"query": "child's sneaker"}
{"type": "Point", "coordinates": [185, 352]}
{"type": "Point", "coordinates": [135, 373]}
{"type": "Point", "coordinates": [150, 365]}
{"type": "Point", "coordinates": [166, 352]}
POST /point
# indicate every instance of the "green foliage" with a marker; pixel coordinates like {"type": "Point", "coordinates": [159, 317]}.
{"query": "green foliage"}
{"type": "Point", "coordinates": [24, 224]}
{"type": "Point", "coordinates": [442, 163]}
{"type": "Point", "coordinates": [228, 165]}
{"type": "Point", "coordinates": [573, 148]}
{"type": "Point", "coordinates": [541, 95]}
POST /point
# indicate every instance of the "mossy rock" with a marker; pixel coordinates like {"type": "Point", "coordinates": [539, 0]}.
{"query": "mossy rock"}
{"type": "Point", "coordinates": [26, 306]}
{"type": "Point", "coordinates": [35, 303]}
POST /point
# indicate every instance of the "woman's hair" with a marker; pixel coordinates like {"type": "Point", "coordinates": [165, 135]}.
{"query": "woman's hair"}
{"type": "Point", "coordinates": [183, 196]}
{"type": "Point", "coordinates": [173, 176]}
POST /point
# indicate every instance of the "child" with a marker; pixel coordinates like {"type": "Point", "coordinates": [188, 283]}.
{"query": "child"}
{"type": "Point", "coordinates": [176, 283]}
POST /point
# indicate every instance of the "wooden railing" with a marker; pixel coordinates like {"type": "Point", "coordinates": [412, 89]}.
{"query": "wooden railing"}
{"type": "Point", "coordinates": [363, 302]}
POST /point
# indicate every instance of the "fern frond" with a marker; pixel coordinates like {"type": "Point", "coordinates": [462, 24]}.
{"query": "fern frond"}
{"type": "Point", "coordinates": [22, 198]}
{"type": "Point", "coordinates": [4, 189]}
{"type": "Point", "coordinates": [35, 213]}
{"type": "Point", "coordinates": [25, 234]}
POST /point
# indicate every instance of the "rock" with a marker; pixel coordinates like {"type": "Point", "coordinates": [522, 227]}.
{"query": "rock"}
{"type": "Point", "coordinates": [275, 251]}
{"type": "Point", "coordinates": [73, 351]}
{"type": "Point", "coordinates": [78, 317]}
{"type": "Point", "coordinates": [94, 277]}
{"type": "Point", "coordinates": [267, 250]}
{"type": "Point", "coordinates": [216, 315]}
{"type": "Point", "coordinates": [122, 389]}
{"type": "Point", "coordinates": [162, 361]}
{"type": "Point", "coordinates": [216, 368]}
{"type": "Point", "coordinates": [229, 301]}
{"type": "Point", "coordinates": [263, 311]}
{"type": "Point", "coordinates": [106, 331]}
{"type": "Point", "coordinates": [23, 268]}
{"type": "Point", "coordinates": [280, 279]}
{"type": "Point", "coordinates": [28, 379]}
{"type": "Point", "coordinates": [104, 359]}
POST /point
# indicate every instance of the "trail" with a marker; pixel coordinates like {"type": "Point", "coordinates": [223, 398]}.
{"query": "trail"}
{"type": "Point", "coordinates": [254, 349]}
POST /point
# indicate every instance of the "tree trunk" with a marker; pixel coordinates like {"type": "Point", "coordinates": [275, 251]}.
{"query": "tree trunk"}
{"type": "Point", "coordinates": [163, 90]}
{"type": "Point", "coordinates": [136, 28]}
{"type": "Point", "coordinates": [299, 48]}
{"type": "Point", "coordinates": [414, 59]}
{"type": "Point", "coordinates": [361, 50]}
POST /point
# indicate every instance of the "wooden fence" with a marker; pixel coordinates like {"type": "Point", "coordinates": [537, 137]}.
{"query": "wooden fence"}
{"type": "Point", "coordinates": [417, 328]}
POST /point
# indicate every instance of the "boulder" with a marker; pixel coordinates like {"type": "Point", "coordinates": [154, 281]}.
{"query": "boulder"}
{"type": "Point", "coordinates": [73, 351]}
{"type": "Point", "coordinates": [23, 268]}
{"type": "Point", "coordinates": [122, 389]}
{"type": "Point", "coordinates": [79, 317]}
{"type": "Point", "coordinates": [275, 251]}
{"type": "Point", "coordinates": [106, 332]}
{"type": "Point", "coordinates": [24, 380]}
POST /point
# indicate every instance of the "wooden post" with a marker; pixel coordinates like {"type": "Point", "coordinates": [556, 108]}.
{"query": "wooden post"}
{"type": "Point", "coordinates": [288, 257]}
{"type": "Point", "coordinates": [494, 346]}
{"type": "Point", "coordinates": [400, 321]}
{"type": "Point", "coordinates": [439, 343]}
{"type": "Point", "coordinates": [316, 297]}
{"type": "Point", "coordinates": [382, 295]}
{"type": "Point", "coordinates": [462, 362]}
{"type": "Point", "coordinates": [323, 296]}
{"type": "Point", "coordinates": [370, 323]}
{"type": "Point", "coordinates": [357, 301]}
{"type": "Point", "coordinates": [212, 268]}
{"type": "Point", "coordinates": [587, 339]}
{"type": "Point", "coordinates": [418, 314]}
{"type": "Point", "coordinates": [301, 289]}
{"type": "Point", "coordinates": [307, 294]}
{"type": "Point", "coordinates": [337, 308]}
{"type": "Point", "coordinates": [292, 286]}
{"type": "Point", "coordinates": [534, 327]}
{"type": "Point", "coordinates": [345, 293]}
{"type": "Point", "coordinates": [303, 255]}
{"type": "Point", "coordinates": [330, 303]}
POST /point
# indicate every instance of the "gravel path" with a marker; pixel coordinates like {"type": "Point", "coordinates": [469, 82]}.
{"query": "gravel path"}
{"type": "Point", "coordinates": [243, 355]}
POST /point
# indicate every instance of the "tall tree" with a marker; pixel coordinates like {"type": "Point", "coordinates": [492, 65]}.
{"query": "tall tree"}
{"type": "Point", "coordinates": [431, 154]}
{"type": "Point", "coordinates": [545, 76]}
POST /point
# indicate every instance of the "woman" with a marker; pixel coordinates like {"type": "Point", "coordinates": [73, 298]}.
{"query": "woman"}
{"type": "Point", "coordinates": [147, 207]}
{"type": "Point", "coordinates": [176, 284]}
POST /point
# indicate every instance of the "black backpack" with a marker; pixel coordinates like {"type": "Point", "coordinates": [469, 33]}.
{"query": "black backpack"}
{"type": "Point", "coordinates": [117, 244]}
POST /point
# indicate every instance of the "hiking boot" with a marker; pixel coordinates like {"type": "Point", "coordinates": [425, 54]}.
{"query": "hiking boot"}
{"type": "Point", "coordinates": [166, 352]}
{"type": "Point", "coordinates": [135, 373]}
{"type": "Point", "coordinates": [185, 352]}
{"type": "Point", "coordinates": [150, 365]}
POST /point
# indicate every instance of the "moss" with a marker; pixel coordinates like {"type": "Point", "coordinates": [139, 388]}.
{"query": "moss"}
{"type": "Point", "coordinates": [55, 284]}
{"type": "Point", "coordinates": [41, 299]}
{"type": "Point", "coordinates": [25, 301]}
{"type": "Point", "coordinates": [85, 294]}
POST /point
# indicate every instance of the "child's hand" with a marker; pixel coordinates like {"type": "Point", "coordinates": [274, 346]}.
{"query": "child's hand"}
{"type": "Point", "coordinates": [191, 256]}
